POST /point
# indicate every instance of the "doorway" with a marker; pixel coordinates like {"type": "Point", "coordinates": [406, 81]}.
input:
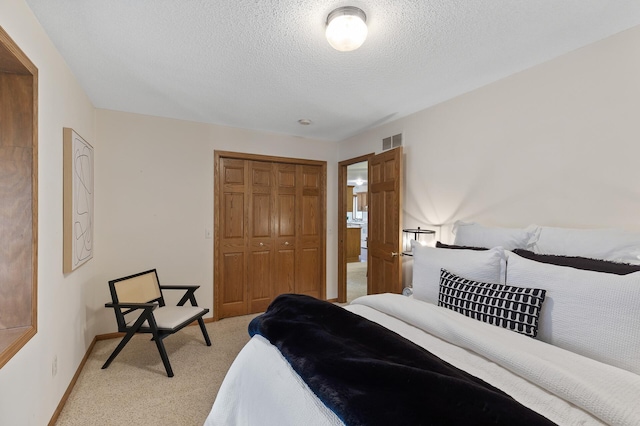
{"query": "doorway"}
{"type": "Point", "coordinates": [353, 228]}
{"type": "Point", "coordinates": [357, 232]}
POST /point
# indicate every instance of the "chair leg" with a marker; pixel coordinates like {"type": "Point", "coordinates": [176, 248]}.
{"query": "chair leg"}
{"type": "Point", "coordinates": [163, 355]}
{"type": "Point", "coordinates": [117, 350]}
{"type": "Point", "coordinates": [204, 331]}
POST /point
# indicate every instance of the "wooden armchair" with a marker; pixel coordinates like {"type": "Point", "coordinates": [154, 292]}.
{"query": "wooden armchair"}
{"type": "Point", "coordinates": [139, 307]}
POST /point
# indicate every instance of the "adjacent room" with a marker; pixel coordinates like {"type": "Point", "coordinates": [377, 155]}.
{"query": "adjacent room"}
{"type": "Point", "coordinates": [243, 148]}
{"type": "Point", "coordinates": [357, 226]}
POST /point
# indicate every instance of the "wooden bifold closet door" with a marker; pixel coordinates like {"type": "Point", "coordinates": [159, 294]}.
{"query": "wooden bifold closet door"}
{"type": "Point", "coordinates": [269, 231]}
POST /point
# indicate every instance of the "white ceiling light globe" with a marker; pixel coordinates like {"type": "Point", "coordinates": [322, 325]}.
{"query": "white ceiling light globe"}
{"type": "Point", "coordinates": [346, 28]}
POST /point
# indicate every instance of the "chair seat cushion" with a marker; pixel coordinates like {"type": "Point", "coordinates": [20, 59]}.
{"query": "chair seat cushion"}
{"type": "Point", "coordinates": [170, 317]}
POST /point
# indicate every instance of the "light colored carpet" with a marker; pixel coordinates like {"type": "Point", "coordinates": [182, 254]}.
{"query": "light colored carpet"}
{"type": "Point", "coordinates": [135, 388]}
{"type": "Point", "coordinates": [356, 280]}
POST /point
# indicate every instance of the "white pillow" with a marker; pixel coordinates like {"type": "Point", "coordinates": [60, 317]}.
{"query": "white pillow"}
{"type": "Point", "coordinates": [594, 314]}
{"type": "Point", "coordinates": [610, 244]}
{"type": "Point", "coordinates": [476, 235]}
{"type": "Point", "coordinates": [485, 266]}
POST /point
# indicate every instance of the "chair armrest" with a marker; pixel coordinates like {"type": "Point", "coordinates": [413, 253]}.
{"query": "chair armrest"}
{"type": "Point", "coordinates": [179, 287]}
{"type": "Point", "coordinates": [188, 295]}
{"type": "Point", "coordinates": [131, 306]}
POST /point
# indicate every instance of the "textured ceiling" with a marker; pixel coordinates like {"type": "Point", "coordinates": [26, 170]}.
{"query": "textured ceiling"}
{"type": "Point", "coordinates": [264, 64]}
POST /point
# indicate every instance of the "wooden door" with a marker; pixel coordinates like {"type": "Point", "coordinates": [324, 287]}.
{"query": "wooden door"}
{"type": "Point", "coordinates": [311, 217]}
{"type": "Point", "coordinates": [260, 283]}
{"type": "Point", "coordinates": [231, 271]}
{"type": "Point", "coordinates": [269, 231]}
{"type": "Point", "coordinates": [286, 226]}
{"type": "Point", "coordinates": [384, 241]}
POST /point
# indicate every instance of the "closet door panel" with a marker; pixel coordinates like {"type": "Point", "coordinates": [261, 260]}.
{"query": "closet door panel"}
{"type": "Point", "coordinates": [261, 208]}
{"type": "Point", "coordinates": [311, 211]}
{"type": "Point", "coordinates": [311, 217]}
{"type": "Point", "coordinates": [286, 205]}
{"type": "Point", "coordinates": [233, 266]}
{"type": "Point", "coordinates": [285, 270]}
{"type": "Point", "coordinates": [233, 214]}
{"type": "Point", "coordinates": [261, 216]}
{"type": "Point", "coordinates": [286, 224]}
{"type": "Point", "coordinates": [308, 281]}
{"type": "Point", "coordinates": [261, 212]}
{"type": "Point", "coordinates": [286, 201]}
{"type": "Point", "coordinates": [231, 276]}
{"type": "Point", "coordinates": [260, 278]}
{"type": "Point", "coordinates": [233, 200]}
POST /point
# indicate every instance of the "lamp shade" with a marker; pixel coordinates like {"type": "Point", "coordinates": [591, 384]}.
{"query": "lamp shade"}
{"type": "Point", "coordinates": [346, 28]}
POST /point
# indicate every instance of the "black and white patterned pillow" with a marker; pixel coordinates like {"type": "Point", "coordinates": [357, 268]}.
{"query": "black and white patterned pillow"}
{"type": "Point", "coordinates": [514, 308]}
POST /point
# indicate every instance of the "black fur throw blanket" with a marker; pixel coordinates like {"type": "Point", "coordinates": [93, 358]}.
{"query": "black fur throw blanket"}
{"type": "Point", "coordinates": [369, 375]}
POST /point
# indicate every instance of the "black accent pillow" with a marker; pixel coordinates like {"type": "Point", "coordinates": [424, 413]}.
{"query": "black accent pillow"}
{"type": "Point", "coordinates": [510, 307]}
{"type": "Point", "coordinates": [577, 262]}
{"type": "Point", "coordinates": [451, 246]}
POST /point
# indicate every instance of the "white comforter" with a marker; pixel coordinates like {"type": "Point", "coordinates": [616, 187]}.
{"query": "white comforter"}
{"type": "Point", "coordinates": [262, 389]}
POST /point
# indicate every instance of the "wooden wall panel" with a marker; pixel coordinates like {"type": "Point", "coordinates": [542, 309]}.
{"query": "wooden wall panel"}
{"type": "Point", "coordinates": [18, 198]}
{"type": "Point", "coordinates": [16, 235]}
{"type": "Point", "coordinates": [16, 110]}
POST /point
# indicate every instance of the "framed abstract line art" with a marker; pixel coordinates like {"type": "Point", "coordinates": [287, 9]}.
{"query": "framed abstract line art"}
{"type": "Point", "coordinates": [78, 200]}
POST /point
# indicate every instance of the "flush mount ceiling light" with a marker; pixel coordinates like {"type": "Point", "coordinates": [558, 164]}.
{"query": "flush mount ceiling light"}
{"type": "Point", "coordinates": [346, 28]}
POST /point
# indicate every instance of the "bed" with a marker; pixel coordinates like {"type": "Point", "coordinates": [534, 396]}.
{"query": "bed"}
{"type": "Point", "coordinates": [571, 356]}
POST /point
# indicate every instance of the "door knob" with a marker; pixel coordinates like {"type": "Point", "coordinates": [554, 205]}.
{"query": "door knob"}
{"type": "Point", "coordinates": [286, 243]}
{"type": "Point", "coordinates": [261, 244]}
{"type": "Point", "coordinates": [394, 254]}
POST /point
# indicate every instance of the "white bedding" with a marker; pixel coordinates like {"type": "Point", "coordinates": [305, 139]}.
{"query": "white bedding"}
{"type": "Point", "coordinates": [262, 389]}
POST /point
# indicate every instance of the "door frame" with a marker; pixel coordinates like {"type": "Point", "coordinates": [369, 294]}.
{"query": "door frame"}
{"type": "Point", "coordinates": [342, 224]}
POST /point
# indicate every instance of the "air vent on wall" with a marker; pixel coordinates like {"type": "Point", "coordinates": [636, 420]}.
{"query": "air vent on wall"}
{"type": "Point", "coordinates": [392, 141]}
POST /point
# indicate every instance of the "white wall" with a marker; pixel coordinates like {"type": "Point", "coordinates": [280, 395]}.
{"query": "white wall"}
{"type": "Point", "coordinates": [554, 145]}
{"type": "Point", "coordinates": [28, 392]}
{"type": "Point", "coordinates": [154, 186]}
